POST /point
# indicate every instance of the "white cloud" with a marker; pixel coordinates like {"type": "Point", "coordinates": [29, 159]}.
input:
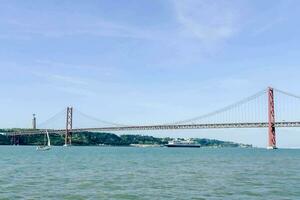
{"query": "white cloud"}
{"type": "Point", "coordinates": [105, 71]}
{"type": "Point", "coordinates": [56, 25]}
{"type": "Point", "coordinates": [58, 78]}
{"type": "Point", "coordinates": [68, 79]}
{"type": "Point", "coordinates": [208, 21]}
{"type": "Point", "coordinates": [76, 91]}
{"type": "Point", "coordinates": [267, 26]}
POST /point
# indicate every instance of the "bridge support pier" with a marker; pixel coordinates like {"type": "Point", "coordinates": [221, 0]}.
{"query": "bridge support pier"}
{"type": "Point", "coordinates": [271, 124]}
{"type": "Point", "coordinates": [69, 123]}
{"type": "Point", "coordinates": [15, 140]}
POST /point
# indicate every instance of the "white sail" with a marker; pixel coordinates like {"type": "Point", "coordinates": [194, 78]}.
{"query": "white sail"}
{"type": "Point", "coordinates": [48, 138]}
{"type": "Point", "coordinates": [44, 148]}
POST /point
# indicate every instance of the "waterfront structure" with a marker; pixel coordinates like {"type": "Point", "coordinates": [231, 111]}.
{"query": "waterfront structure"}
{"type": "Point", "coordinates": [33, 121]}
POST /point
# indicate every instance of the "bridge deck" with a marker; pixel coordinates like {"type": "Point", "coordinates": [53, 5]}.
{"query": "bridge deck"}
{"type": "Point", "coordinates": [160, 127]}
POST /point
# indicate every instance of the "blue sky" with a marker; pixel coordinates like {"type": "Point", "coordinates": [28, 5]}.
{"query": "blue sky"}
{"type": "Point", "coordinates": [150, 61]}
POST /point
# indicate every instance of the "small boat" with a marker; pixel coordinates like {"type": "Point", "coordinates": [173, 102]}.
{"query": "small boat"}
{"type": "Point", "coordinates": [182, 143]}
{"type": "Point", "coordinates": [45, 147]}
{"type": "Point", "coordinates": [272, 147]}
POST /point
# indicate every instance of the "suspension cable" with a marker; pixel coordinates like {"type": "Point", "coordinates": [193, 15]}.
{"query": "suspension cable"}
{"type": "Point", "coordinates": [51, 118]}
{"type": "Point", "coordinates": [287, 93]}
{"type": "Point", "coordinates": [99, 120]}
{"type": "Point", "coordinates": [243, 101]}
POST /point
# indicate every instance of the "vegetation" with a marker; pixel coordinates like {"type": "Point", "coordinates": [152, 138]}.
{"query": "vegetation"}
{"type": "Point", "coordinates": [218, 143]}
{"type": "Point", "coordinates": [92, 139]}
{"type": "Point", "coordinates": [4, 140]}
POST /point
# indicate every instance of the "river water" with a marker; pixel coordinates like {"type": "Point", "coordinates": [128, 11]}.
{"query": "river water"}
{"type": "Point", "coordinates": [148, 173]}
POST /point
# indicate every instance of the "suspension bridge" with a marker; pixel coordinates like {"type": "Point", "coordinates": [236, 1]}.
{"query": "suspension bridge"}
{"type": "Point", "coordinates": [256, 111]}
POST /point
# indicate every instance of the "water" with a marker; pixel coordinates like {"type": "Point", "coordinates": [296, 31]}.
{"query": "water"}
{"type": "Point", "coordinates": [148, 173]}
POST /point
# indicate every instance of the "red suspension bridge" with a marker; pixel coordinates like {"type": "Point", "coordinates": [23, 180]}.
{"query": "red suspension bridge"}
{"type": "Point", "coordinates": [256, 111]}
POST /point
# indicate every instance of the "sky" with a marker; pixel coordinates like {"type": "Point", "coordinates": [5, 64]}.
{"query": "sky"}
{"type": "Point", "coordinates": [146, 62]}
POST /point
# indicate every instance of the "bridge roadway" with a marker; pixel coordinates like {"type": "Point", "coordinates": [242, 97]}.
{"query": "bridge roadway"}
{"type": "Point", "coordinates": [158, 127]}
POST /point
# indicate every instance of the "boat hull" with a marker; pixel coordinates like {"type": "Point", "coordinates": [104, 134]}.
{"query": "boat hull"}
{"type": "Point", "coordinates": [272, 147]}
{"type": "Point", "coordinates": [43, 148]}
{"type": "Point", "coordinates": [183, 145]}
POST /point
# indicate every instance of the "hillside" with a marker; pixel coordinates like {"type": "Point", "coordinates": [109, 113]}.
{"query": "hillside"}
{"type": "Point", "coordinates": [92, 139]}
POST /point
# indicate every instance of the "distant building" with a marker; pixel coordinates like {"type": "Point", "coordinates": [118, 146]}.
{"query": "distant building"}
{"type": "Point", "coordinates": [34, 122]}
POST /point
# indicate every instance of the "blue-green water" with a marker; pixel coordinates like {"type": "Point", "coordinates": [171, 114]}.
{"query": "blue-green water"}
{"type": "Point", "coordinates": [148, 173]}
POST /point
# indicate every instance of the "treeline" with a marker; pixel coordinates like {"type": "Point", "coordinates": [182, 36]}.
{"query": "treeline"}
{"type": "Point", "coordinates": [218, 143]}
{"type": "Point", "coordinates": [84, 139]}
{"type": "Point", "coordinates": [92, 139]}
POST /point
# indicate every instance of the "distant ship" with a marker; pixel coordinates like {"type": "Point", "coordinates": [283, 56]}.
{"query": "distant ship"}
{"type": "Point", "coordinates": [182, 143]}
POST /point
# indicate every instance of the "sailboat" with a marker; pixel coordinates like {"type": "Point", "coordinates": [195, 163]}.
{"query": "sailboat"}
{"type": "Point", "coordinates": [45, 147]}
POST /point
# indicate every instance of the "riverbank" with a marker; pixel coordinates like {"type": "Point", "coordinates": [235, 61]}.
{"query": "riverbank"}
{"type": "Point", "coordinates": [110, 139]}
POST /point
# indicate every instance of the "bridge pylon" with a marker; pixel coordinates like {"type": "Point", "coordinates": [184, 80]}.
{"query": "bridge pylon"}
{"type": "Point", "coordinates": [271, 116]}
{"type": "Point", "coordinates": [15, 139]}
{"type": "Point", "coordinates": [69, 124]}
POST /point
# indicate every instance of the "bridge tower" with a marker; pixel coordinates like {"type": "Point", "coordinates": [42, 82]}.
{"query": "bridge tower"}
{"type": "Point", "coordinates": [69, 123]}
{"type": "Point", "coordinates": [271, 116]}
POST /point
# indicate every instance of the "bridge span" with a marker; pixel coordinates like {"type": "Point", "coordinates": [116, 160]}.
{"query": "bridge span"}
{"type": "Point", "coordinates": [239, 110]}
{"type": "Point", "coordinates": [158, 127]}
